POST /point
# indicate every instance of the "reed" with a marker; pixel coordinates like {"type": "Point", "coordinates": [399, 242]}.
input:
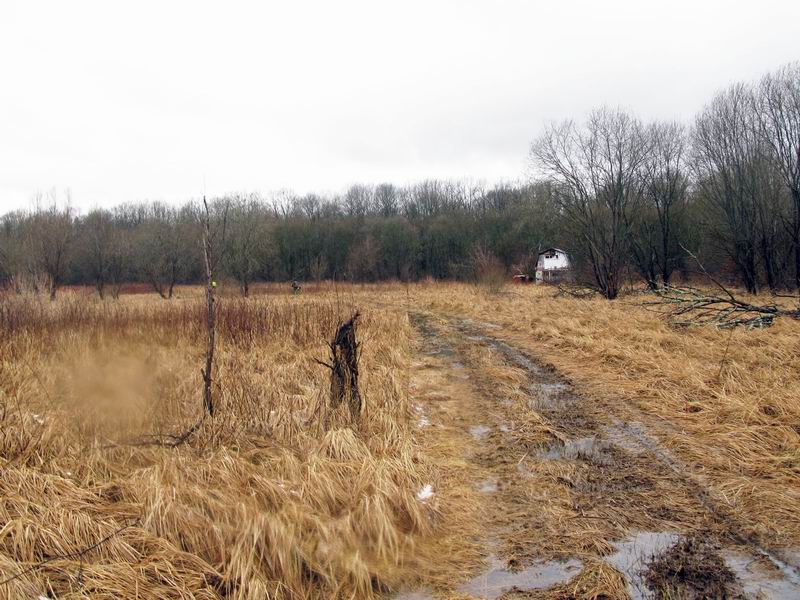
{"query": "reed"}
{"type": "Point", "coordinates": [276, 496]}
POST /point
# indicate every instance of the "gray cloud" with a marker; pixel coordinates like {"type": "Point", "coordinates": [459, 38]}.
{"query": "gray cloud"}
{"type": "Point", "coordinates": [150, 99]}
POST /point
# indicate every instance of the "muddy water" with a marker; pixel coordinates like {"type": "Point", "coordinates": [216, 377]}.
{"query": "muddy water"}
{"type": "Point", "coordinates": [759, 580]}
{"type": "Point", "coordinates": [497, 580]}
{"type": "Point", "coordinates": [584, 447]}
{"type": "Point", "coordinates": [416, 595]}
{"type": "Point", "coordinates": [488, 486]}
{"type": "Point", "coordinates": [479, 431]}
{"type": "Point", "coordinates": [633, 555]}
{"type": "Point", "coordinates": [551, 395]}
{"type": "Point", "coordinates": [548, 396]}
{"type": "Point", "coordinates": [482, 426]}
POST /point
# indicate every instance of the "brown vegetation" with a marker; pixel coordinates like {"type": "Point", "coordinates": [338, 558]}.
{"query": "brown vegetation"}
{"type": "Point", "coordinates": [263, 500]}
{"type": "Point", "coordinates": [283, 494]}
{"type": "Point", "coordinates": [725, 402]}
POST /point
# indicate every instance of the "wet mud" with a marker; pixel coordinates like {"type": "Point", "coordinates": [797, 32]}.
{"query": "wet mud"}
{"type": "Point", "coordinates": [630, 502]}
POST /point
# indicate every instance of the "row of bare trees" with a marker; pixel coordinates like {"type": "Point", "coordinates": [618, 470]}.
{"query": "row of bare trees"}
{"type": "Point", "coordinates": [632, 194]}
{"type": "Point", "coordinates": [626, 199]}
{"type": "Point", "coordinates": [366, 234]}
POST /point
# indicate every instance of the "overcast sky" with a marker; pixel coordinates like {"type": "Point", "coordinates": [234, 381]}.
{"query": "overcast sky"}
{"type": "Point", "coordinates": [155, 100]}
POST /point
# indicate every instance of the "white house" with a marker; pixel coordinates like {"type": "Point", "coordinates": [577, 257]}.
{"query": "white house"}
{"type": "Point", "coordinates": [553, 265]}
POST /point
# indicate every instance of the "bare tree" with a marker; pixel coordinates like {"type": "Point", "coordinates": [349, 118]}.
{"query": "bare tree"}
{"type": "Point", "coordinates": [97, 238]}
{"type": "Point", "coordinates": [386, 200]}
{"type": "Point", "coordinates": [213, 242]}
{"type": "Point", "coordinates": [165, 248]}
{"type": "Point", "coordinates": [119, 260]}
{"type": "Point", "coordinates": [358, 200]}
{"type": "Point", "coordinates": [245, 246]}
{"type": "Point", "coordinates": [362, 262]}
{"type": "Point", "coordinates": [309, 206]}
{"type": "Point", "coordinates": [770, 205]}
{"type": "Point", "coordinates": [655, 246]}
{"type": "Point", "coordinates": [51, 237]}
{"type": "Point", "coordinates": [16, 255]}
{"type": "Point", "coordinates": [597, 174]}
{"type": "Point", "coordinates": [778, 111]}
{"type": "Point", "coordinates": [7, 245]}
{"type": "Point", "coordinates": [734, 179]}
{"type": "Point", "coordinates": [318, 268]}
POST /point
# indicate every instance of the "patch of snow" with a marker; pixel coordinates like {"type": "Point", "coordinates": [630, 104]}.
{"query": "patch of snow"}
{"type": "Point", "coordinates": [425, 493]}
{"type": "Point", "coordinates": [478, 431]}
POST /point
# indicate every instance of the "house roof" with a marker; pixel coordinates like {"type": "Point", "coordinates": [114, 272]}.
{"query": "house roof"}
{"type": "Point", "coordinates": [546, 250]}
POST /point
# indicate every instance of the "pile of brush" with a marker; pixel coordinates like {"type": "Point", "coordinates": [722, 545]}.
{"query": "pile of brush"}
{"type": "Point", "coordinates": [688, 306]}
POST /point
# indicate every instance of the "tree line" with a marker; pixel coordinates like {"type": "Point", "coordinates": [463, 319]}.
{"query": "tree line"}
{"type": "Point", "coordinates": [369, 233]}
{"type": "Point", "coordinates": [627, 199]}
{"type": "Point", "coordinates": [644, 195]}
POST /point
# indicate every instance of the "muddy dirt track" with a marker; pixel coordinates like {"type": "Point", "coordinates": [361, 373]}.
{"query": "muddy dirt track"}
{"type": "Point", "coordinates": [577, 497]}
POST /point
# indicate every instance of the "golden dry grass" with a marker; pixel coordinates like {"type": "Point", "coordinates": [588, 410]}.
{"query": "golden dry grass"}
{"type": "Point", "coordinates": [733, 418]}
{"type": "Point", "coordinates": [278, 497]}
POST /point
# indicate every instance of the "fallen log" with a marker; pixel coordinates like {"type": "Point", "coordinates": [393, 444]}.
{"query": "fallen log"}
{"type": "Point", "coordinates": [688, 306]}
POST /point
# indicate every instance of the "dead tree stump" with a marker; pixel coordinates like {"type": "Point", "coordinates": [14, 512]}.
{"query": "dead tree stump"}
{"type": "Point", "coordinates": [344, 368]}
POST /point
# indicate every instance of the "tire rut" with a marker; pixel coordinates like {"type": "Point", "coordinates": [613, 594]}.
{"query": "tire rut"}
{"type": "Point", "coordinates": [595, 436]}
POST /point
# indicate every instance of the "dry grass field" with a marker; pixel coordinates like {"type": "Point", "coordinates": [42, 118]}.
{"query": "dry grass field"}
{"type": "Point", "coordinates": [511, 443]}
{"type": "Point", "coordinates": [727, 403]}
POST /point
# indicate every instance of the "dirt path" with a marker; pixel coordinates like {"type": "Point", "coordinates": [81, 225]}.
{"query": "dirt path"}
{"type": "Point", "coordinates": [577, 499]}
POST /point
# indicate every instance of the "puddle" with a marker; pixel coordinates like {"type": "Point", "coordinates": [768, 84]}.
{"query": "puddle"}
{"type": "Point", "coordinates": [487, 487]}
{"type": "Point", "coordinates": [423, 421]}
{"type": "Point", "coordinates": [617, 437]}
{"type": "Point", "coordinates": [548, 396]}
{"type": "Point", "coordinates": [418, 595]}
{"type": "Point", "coordinates": [497, 580]}
{"type": "Point", "coordinates": [586, 447]}
{"type": "Point", "coordinates": [459, 369]}
{"type": "Point", "coordinates": [631, 433]}
{"type": "Point", "coordinates": [516, 356]}
{"type": "Point", "coordinates": [634, 436]}
{"type": "Point", "coordinates": [792, 556]}
{"type": "Point", "coordinates": [758, 580]}
{"type": "Point", "coordinates": [483, 324]}
{"type": "Point", "coordinates": [553, 388]}
{"type": "Point", "coordinates": [633, 554]}
{"type": "Point", "coordinates": [509, 351]}
{"type": "Point", "coordinates": [478, 431]}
